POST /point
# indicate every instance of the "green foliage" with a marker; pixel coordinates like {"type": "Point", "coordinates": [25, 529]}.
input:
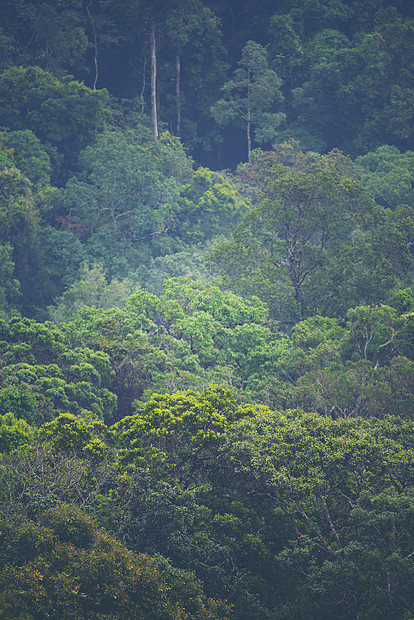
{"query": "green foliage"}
{"type": "Point", "coordinates": [251, 96]}
{"type": "Point", "coordinates": [223, 330]}
{"type": "Point", "coordinates": [65, 114]}
{"type": "Point", "coordinates": [64, 566]}
{"type": "Point", "coordinates": [14, 432]}
{"type": "Point", "coordinates": [176, 432]}
{"type": "Point", "coordinates": [339, 496]}
{"type": "Point", "coordinates": [188, 263]}
{"type": "Point", "coordinates": [91, 290]}
{"type": "Point", "coordinates": [9, 286]}
{"type": "Point", "coordinates": [372, 331]}
{"type": "Point", "coordinates": [358, 389]}
{"type": "Point", "coordinates": [210, 206]}
{"type": "Point", "coordinates": [347, 87]}
{"type": "Point", "coordinates": [29, 156]}
{"type": "Point", "coordinates": [65, 253]}
{"type": "Point", "coordinates": [120, 202]}
{"type": "Point", "coordinates": [139, 365]}
{"type": "Point", "coordinates": [388, 175]}
{"type": "Point", "coordinates": [286, 514]}
{"type": "Point", "coordinates": [67, 433]}
{"type": "Point", "coordinates": [342, 372]}
{"type": "Point", "coordinates": [37, 393]}
{"type": "Point", "coordinates": [303, 245]}
{"type": "Point", "coordinates": [58, 40]}
{"type": "Point", "coordinates": [403, 301]}
{"type": "Point", "coordinates": [192, 335]}
{"type": "Point", "coordinates": [41, 377]}
{"type": "Point", "coordinates": [20, 243]}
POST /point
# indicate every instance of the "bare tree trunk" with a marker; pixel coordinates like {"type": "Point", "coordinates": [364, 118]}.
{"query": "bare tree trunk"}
{"type": "Point", "coordinates": [154, 81]}
{"type": "Point", "coordinates": [249, 120]}
{"type": "Point", "coordinates": [178, 92]}
{"type": "Point", "coordinates": [95, 45]}
{"type": "Point", "coordinates": [144, 85]}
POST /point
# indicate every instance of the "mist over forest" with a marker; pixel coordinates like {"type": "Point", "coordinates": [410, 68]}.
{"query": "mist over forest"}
{"type": "Point", "coordinates": [206, 309]}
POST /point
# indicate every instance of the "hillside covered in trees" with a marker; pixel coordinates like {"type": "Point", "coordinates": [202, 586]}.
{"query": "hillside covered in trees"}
{"type": "Point", "coordinates": [206, 309]}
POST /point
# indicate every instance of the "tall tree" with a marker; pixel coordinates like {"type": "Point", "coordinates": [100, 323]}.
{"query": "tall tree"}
{"type": "Point", "coordinates": [153, 17]}
{"type": "Point", "coordinates": [251, 97]}
{"type": "Point", "coordinates": [52, 34]}
{"type": "Point", "coordinates": [20, 241]}
{"type": "Point", "coordinates": [124, 203]}
{"type": "Point", "coordinates": [316, 242]}
{"type": "Point", "coordinates": [180, 25]}
{"type": "Point", "coordinates": [389, 175]}
{"type": "Point", "coordinates": [154, 112]}
{"type": "Point", "coordinates": [65, 115]}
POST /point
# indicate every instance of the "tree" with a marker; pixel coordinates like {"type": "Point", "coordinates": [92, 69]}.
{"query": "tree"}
{"type": "Point", "coordinates": [194, 55]}
{"type": "Point", "coordinates": [51, 34]}
{"type": "Point", "coordinates": [210, 205]}
{"type": "Point", "coordinates": [91, 290]}
{"type": "Point", "coordinates": [324, 95]}
{"type": "Point", "coordinates": [388, 76]}
{"type": "Point", "coordinates": [353, 85]}
{"type": "Point", "coordinates": [23, 260]}
{"type": "Point", "coordinates": [311, 233]}
{"type": "Point", "coordinates": [147, 24]}
{"type": "Point", "coordinates": [9, 286]}
{"type": "Point", "coordinates": [372, 333]}
{"type": "Point", "coordinates": [120, 201]}
{"type": "Point", "coordinates": [181, 23]}
{"type": "Point", "coordinates": [155, 15]}
{"type": "Point", "coordinates": [42, 377]}
{"type": "Point", "coordinates": [339, 504]}
{"type": "Point", "coordinates": [176, 434]}
{"type": "Point", "coordinates": [29, 156]}
{"type": "Point", "coordinates": [65, 114]}
{"type": "Point", "coordinates": [388, 175]}
{"type": "Point", "coordinates": [14, 432]}
{"type": "Point", "coordinates": [64, 566]}
{"type": "Point", "coordinates": [251, 96]}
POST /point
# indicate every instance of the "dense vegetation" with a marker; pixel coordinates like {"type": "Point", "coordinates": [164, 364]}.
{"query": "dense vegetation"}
{"type": "Point", "coordinates": [206, 309]}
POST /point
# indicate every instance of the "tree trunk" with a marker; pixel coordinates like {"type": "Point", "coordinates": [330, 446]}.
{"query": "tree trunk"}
{"type": "Point", "coordinates": [249, 120]}
{"type": "Point", "coordinates": [178, 92]}
{"type": "Point", "coordinates": [154, 81]}
{"type": "Point", "coordinates": [95, 45]}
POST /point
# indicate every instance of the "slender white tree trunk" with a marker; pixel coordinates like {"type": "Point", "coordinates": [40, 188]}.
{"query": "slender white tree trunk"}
{"type": "Point", "coordinates": [249, 119]}
{"type": "Point", "coordinates": [95, 45]}
{"type": "Point", "coordinates": [178, 92]}
{"type": "Point", "coordinates": [154, 113]}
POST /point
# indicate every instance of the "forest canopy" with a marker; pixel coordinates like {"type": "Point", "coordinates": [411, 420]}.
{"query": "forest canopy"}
{"type": "Point", "coordinates": [206, 309]}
